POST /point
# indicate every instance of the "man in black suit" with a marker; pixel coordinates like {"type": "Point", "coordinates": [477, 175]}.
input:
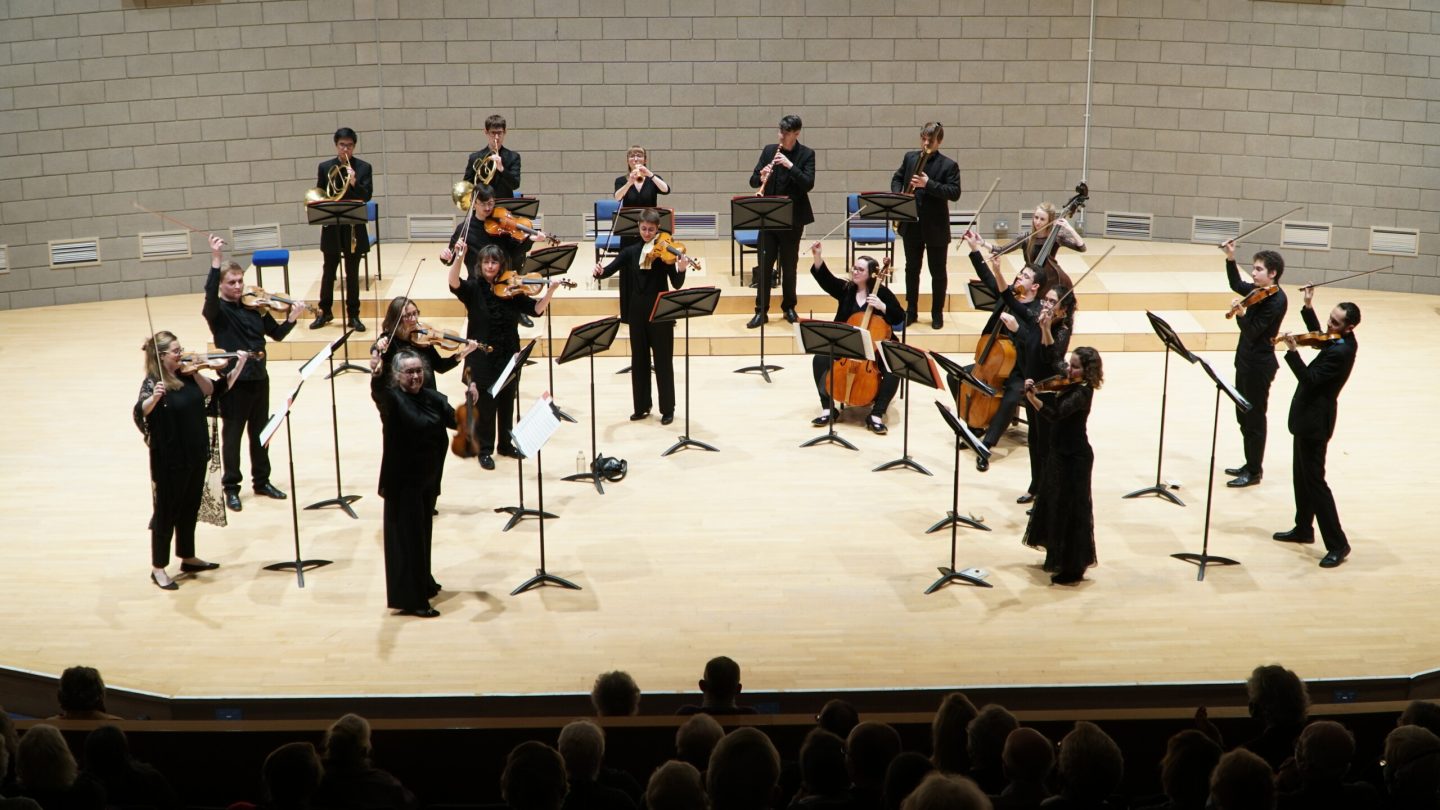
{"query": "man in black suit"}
{"type": "Point", "coordinates": [1312, 423]}
{"type": "Point", "coordinates": [785, 169]}
{"type": "Point", "coordinates": [344, 241]}
{"type": "Point", "coordinates": [1255, 362]}
{"type": "Point", "coordinates": [503, 167]}
{"type": "Point", "coordinates": [935, 185]}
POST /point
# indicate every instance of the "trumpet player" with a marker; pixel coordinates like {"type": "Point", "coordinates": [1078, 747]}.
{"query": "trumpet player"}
{"type": "Point", "coordinates": [785, 169]}
{"type": "Point", "coordinates": [343, 177]}
{"type": "Point", "coordinates": [934, 179]}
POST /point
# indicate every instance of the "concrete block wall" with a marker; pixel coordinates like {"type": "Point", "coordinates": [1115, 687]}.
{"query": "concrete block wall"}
{"type": "Point", "coordinates": [217, 112]}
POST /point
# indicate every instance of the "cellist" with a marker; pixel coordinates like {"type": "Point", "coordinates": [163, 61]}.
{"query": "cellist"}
{"type": "Point", "coordinates": [854, 296]}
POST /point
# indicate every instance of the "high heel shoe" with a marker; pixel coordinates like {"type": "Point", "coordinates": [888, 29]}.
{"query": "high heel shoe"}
{"type": "Point", "coordinates": [170, 586]}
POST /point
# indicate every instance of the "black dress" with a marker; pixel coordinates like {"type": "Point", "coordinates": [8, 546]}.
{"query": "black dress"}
{"type": "Point", "coordinates": [494, 321]}
{"type": "Point", "coordinates": [1063, 519]}
{"type": "Point", "coordinates": [179, 444]}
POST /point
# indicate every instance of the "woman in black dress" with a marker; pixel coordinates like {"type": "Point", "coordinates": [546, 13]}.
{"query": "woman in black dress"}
{"type": "Point", "coordinates": [170, 413]}
{"type": "Point", "coordinates": [1063, 519]}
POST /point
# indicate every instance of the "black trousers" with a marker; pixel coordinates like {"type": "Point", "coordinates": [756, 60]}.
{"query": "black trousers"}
{"type": "Point", "coordinates": [915, 248]}
{"type": "Point", "coordinates": [652, 340]}
{"type": "Point", "coordinates": [1010, 399]}
{"type": "Point", "coordinates": [352, 284]}
{"type": "Point", "coordinates": [245, 409]}
{"type": "Point", "coordinates": [495, 413]}
{"type": "Point", "coordinates": [177, 507]}
{"type": "Point", "coordinates": [784, 246]}
{"type": "Point", "coordinates": [1254, 385]}
{"type": "Point", "coordinates": [1314, 503]}
{"type": "Point", "coordinates": [889, 384]}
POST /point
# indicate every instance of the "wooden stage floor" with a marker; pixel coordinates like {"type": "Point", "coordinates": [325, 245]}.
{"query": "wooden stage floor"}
{"type": "Point", "coordinates": [802, 564]}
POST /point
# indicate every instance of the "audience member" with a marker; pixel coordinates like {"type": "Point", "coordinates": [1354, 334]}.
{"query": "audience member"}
{"type": "Point", "coordinates": [615, 694]}
{"type": "Point", "coordinates": [534, 777]}
{"type": "Point", "coordinates": [46, 772]}
{"type": "Point", "coordinates": [1280, 701]}
{"type": "Point", "coordinates": [1322, 759]}
{"type": "Point", "coordinates": [696, 739]}
{"type": "Point", "coordinates": [905, 773]}
{"type": "Point", "coordinates": [11, 739]}
{"type": "Point", "coordinates": [942, 791]}
{"type": "Point", "coordinates": [1091, 767]}
{"type": "Point", "coordinates": [719, 689]}
{"type": "Point", "coordinates": [985, 745]}
{"type": "Point", "coordinates": [676, 785]}
{"type": "Point", "coordinates": [947, 734]}
{"type": "Point", "coordinates": [1242, 781]}
{"type": "Point", "coordinates": [582, 747]}
{"type": "Point", "coordinates": [82, 695]}
{"type": "Point", "coordinates": [1423, 713]}
{"type": "Point", "coordinates": [1412, 768]}
{"type": "Point", "coordinates": [1029, 758]}
{"type": "Point", "coordinates": [744, 771]}
{"type": "Point", "coordinates": [126, 781]}
{"type": "Point", "coordinates": [838, 717]}
{"type": "Point", "coordinates": [350, 780]}
{"type": "Point", "coordinates": [824, 781]}
{"type": "Point", "coordinates": [5, 758]}
{"type": "Point", "coordinates": [292, 774]}
{"type": "Point", "coordinates": [868, 752]}
{"type": "Point", "coordinates": [1190, 758]}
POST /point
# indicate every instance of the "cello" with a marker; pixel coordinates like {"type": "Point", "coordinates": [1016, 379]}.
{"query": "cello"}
{"type": "Point", "coordinates": [857, 382]}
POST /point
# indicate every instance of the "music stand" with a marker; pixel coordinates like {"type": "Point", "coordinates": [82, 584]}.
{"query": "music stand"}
{"type": "Point", "coordinates": [971, 576]}
{"type": "Point", "coordinates": [891, 208]}
{"type": "Point", "coordinates": [588, 340]}
{"type": "Point", "coordinates": [341, 212]}
{"type": "Point", "coordinates": [836, 341]}
{"type": "Point", "coordinates": [299, 564]}
{"type": "Point", "coordinates": [912, 365]}
{"type": "Point", "coordinates": [529, 436]}
{"type": "Point", "coordinates": [328, 353]}
{"type": "Point", "coordinates": [627, 220]}
{"type": "Point", "coordinates": [981, 297]}
{"type": "Point", "coordinates": [527, 207]}
{"type": "Point", "coordinates": [546, 263]}
{"type": "Point", "coordinates": [1205, 557]}
{"type": "Point", "coordinates": [674, 305]}
{"type": "Point", "coordinates": [965, 378]}
{"type": "Point", "coordinates": [509, 375]}
{"type": "Point", "coordinates": [751, 213]}
{"type": "Point", "coordinates": [1172, 343]}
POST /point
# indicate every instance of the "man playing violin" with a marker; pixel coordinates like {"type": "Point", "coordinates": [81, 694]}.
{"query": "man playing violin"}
{"type": "Point", "coordinates": [862, 290]}
{"type": "Point", "coordinates": [349, 242]}
{"type": "Point", "coordinates": [935, 186]}
{"type": "Point", "coordinates": [644, 274]}
{"type": "Point", "coordinates": [1262, 306]}
{"type": "Point", "coordinates": [785, 169]}
{"type": "Point", "coordinates": [246, 407]}
{"type": "Point", "coordinates": [1312, 422]}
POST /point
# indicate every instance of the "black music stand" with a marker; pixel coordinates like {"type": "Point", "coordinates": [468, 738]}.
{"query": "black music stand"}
{"type": "Point", "coordinates": [588, 340]}
{"type": "Point", "coordinates": [1205, 557]}
{"type": "Point", "coordinates": [299, 565]}
{"type": "Point", "coordinates": [520, 512]}
{"type": "Point", "coordinates": [546, 263]}
{"type": "Point", "coordinates": [891, 208]}
{"type": "Point", "coordinates": [836, 341]}
{"type": "Point", "coordinates": [965, 378]}
{"type": "Point", "coordinates": [981, 297]}
{"type": "Point", "coordinates": [526, 207]}
{"type": "Point", "coordinates": [627, 223]}
{"type": "Point", "coordinates": [529, 436]}
{"type": "Point", "coordinates": [1172, 343]}
{"type": "Point", "coordinates": [341, 212]}
{"type": "Point", "coordinates": [674, 305]}
{"type": "Point", "coordinates": [341, 499]}
{"type": "Point", "coordinates": [912, 365]}
{"type": "Point", "coordinates": [971, 576]}
{"type": "Point", "coordinates": [750, 213]}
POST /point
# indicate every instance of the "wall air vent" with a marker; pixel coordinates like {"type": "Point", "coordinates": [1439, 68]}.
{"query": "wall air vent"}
{"type": "Point", "coordinates": [1128, 225]}
{"type": "Point", "coordinates": [1305, 235]}
{"type": "Point", "coordinates": [250, 238]}
{"type": "Point", "coordinates": [1214, 230]}
{"type": "Point", "coordinates": [1395, 241]}
{"type": "Point", "coordinates": [164, 245]}
{"type": "Point", "coordinates": [431, 227]}
{"type": "Point", "coordinates": [74, 252]}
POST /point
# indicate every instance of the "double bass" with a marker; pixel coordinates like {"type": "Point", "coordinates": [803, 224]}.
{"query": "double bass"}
{"type": "Point", "coordinates": [857, 382]}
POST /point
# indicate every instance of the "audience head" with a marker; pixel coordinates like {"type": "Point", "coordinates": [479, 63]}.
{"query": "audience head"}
{"type": "Point", "coordinates": [947, 733]}
{"type": "Point", "coordinates": [81, 691]}
{"type": "Point", "coordinates": [869, 749]}
{"type": "Point", "coordinates": [1190, 758]}
{"type": "Point", "coordinates": [822, 764]}
{"type": "Point", "coordinates": [696, 739]}
{"type": "Point", "coordinates": [721, 684]}
{"type": "Point", "coordinates": [1029, 756]}
{"type": "Point", "coordinates": [10, 739]}
{"type": "Point", "coordinates": [107, 751]}
{"type": "Point", "coordinates": [1324, 751]}
{"type": "Point", "coordinates": [676, 785]}
{"type": "Point", "coordinates": [1277, 696]}
{"type": "Point", "coordinates": [905, 773]}
{"type": "Point", "coordinates": [1242, 781]}
{"type": "Point", "coordinates": [838, 717]}
{"type": "Point", "coordinates": [582, 746]}
{"type": "Point", "coordinates": [1090, 764]}
{"type": "Point", "coordinates": [941, 791]}
{"type": "Point", "coordinates": [534, 777]}
{"type": "Point", "coordinates": [292, 774]}
{"type": "Point", "coordinates": [985, 737]}
{"type": "Point", "coordinates": [743, 771]}
{"type": "Point", "coordinates": [1412, 763]}
{"type": "Point", "coordinates": [1421, 713]}
{"type": "Point", "coordinates": [615, 694]}
{"type": "Point", "coordinates": [43, 761]}
{"type": "Point", "coordinates": [347, 743]}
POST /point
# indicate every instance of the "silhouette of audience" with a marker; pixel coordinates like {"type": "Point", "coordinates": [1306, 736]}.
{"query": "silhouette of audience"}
{"type": "Point", "coordinates": [291, 775]}
{"type": "Point", "coordinates": [676, 785]}
{"type": "Point", "coordinates": [869, 749]}
{"type": "Point", "coordinates": [350, 780]}
{"type": "Point", "coordinates": [943, 791]}
{"type": "Point", "coordinates": [1242, 781]}
{"type": "Point", "coordinates": [534, 778]}
{"type": "Point", "coordinates": [582, 747]}
{"type": "Point", "coordinates": [46, 771]}
{"type": "Point", "coordinates": [744, 772]}
{"type": "Point", "coordinates": [905, 773]}
{"type": "Point", "coordinates": [949, 743]}
{"type": "Point", "coordinates": [1280, 701]}
{"type": "Point", "coordinates": [82, 695]}
{"type": "Point", "coordinates": [1029, 759]}
{"type": "Point", "coordinates": [838, 717]}
{"type": "Point", "coordinates": [719, 690]}
{"type": "Point", "coordinates": [126, 782]}
{"type": "Point", "coordinates": [615, 694]}
{"type": "Point", "coordinates": [1412, 769]}
{"type": "Point", "coordinates": [1091, 767]}
{"type": "Point", "coordinates": [985, 738]}
{"type": "Point", "coordinates": [696, 739]}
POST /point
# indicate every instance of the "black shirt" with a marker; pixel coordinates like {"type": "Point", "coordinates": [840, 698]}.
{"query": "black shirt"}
{"type": "Point", "coordinates": [236, 327]}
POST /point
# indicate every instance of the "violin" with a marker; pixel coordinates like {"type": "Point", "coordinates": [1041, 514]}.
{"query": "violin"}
{"type": "Point", "coordinates": [191, 363]}
{"type": "Point", "coordinates": [670, 251]}
{"type": "Point", "coordinates": [426, 335]}
{"type": "Point", "coordinates": [257, 298]}
{"type": "Point", "coordinates": [465, 443]}
{"type": "Point", "coordinates": [857, 382]}
{"type": "Point", "coordinates": [1312, 339]}
{"type": "Point", "coordinates": [510, 284]}
{"type": "Point", "coordinates": [503, 223]}
{"type": "Point", "coordinates": [1053, 384]}
{"type": "Point", "coordinates": [1252, 298]}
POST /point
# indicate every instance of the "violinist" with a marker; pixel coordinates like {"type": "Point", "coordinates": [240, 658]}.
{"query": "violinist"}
{"type": "Point", "coordinates": [1063, 519]}
{"type": "Point", "coordinates": [644, 274]}
{"type": "Point", "coordinates": [170, 412]}
{"type": "Point", "coordinates": [854, 295]}
{"type": "Point", "coordinates": [473, 231]}
{"type": "Point", "coordinates": [246, 408]}
{"type": "Point", "coordinates": [785, 169]}
{"type": "Point", "coordinates": [935, 185]}
{"type": "Point", "coordinates": [639, 187]}
{"type": "Point", "coordinates": [402, 318]}
{"type": "Point", "coordinates": [494, 321]}
{"type": "Point", "coordinates": [350, 242]}
{"type": "Point", "coordinates": [1053, 325]}
{"type": "Point", "coordinates": [1261, 307]}
{"type": "Point", "coordinates": [1312, 423]}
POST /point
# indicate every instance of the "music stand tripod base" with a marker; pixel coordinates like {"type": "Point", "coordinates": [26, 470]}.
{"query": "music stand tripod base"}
{"type": "Point", "coordinates": [1160, 490]}
{"type": "Point", "coordinates": [960, 520]}
{"type": "Point", "coordinates": [342, 501]}
{"type": "Point", "coordinates": [1202, 560]}
{"type": "Point", "coordinates": [299, 566]}
{"type": "Point", "coordinates": [686, 441]}
{"type": "Point", "coordinates": [949, 575]}
{"type": "Point", "coordinates": [540, 579]}
{"type": "Point", "coordinates": [519, 513]}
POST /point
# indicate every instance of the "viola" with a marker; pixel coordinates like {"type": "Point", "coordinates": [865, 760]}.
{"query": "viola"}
{"type": "Point", "coordinates": [191, 363]}
{"type": "Point", "coordinates": [1052, 384]}
{"type": "Point", "coordinates": [1252, 298]}
{"type": "Point", "coordinates": [857, 382]}
{"type": "Point", "coordinates": [669, 251]}
{"type": "Point", "coordinates": [503, 223]}
{"type": "Point", "coordinates": [466, 443]}
{"type": "Point", "coordinates": [510, 284]}
{"type": "Point", "coordinates": [257, 298]}
{"type": "Point", "coordinates": [1312, 339]}
{"type": "Point", "coordinates": [426, 335]}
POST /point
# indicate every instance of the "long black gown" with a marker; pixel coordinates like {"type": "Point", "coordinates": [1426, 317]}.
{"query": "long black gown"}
{"type": "Point", "coordinates": [1063, 519]}
{"type": "Point", "coordinates": [179, 454]}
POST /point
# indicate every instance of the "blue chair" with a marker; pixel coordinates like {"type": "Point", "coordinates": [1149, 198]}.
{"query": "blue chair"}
{"type": "Point", "coordinates": [863, 232]}
{"type": "Point", "coordinates": [372, 213]}
{"type": "Point", "coordinates": [271, 258]}
{"type": "Point", "coordinates": [606, 242]}
{"type": "Point", "coordinates": [743, 241]}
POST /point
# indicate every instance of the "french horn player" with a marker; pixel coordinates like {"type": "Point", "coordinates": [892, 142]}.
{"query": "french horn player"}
{"type": "Point", "coordinates": [343, 177]}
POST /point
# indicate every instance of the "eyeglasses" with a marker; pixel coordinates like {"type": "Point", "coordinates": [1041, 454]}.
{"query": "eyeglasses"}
{"type": "Point", "coordinates": [405, 372]}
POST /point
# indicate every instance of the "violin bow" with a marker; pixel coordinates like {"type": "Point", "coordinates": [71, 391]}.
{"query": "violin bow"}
{"type": "Point", "coordinates": [1264, 224]}
{"type": "Point", "coordinates": [190, 228]}
{"type": "Point", "coordinates": [975, 221]}
{"type": "Point", "coordinates": [1346, 278]}
{"type": "Point", "coordinates": [1085, 275]}
{"type": "Point", "coordinates": [390, 338]}
{"type": "Point", "coordinates": [154, 347]}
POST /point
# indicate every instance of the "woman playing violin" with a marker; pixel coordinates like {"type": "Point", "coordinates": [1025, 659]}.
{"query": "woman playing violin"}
{"type": "Point", "coordinates": [170, 412]}
{"type": "Point", "coordinates": [402, 319]}
{"type": "Point", "coordinates": [854, 295]}
{"type": "Point", "coordinates": [1255, 362]}
{"type": "Point", "coordinates": [639, 187]}
{"type": "Point", "coordinates": [1054, 330]}
{"type": "Point", "coordinates": [494, 321]}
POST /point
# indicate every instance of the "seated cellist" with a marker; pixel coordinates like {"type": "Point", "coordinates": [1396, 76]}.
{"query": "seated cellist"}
{"type": "Point", "coordinates": [854, 296]}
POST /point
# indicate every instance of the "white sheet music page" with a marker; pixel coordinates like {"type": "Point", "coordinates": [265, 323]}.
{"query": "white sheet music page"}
{"type": "Point", "coordinates": [536, 427]}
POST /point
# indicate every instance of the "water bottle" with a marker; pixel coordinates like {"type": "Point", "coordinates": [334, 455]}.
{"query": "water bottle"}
{"type": "Point", "coordinates": [580, 462]}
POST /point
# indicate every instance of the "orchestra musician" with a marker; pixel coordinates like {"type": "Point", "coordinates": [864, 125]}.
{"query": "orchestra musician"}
{"type": "Point", "coordinates": [170, 412]}
{"type": "Point", "coordinates": [473, 230]}
{"type": "Point", "coordinates": [644, 274]}
{"type": "Point", "coordinates": [348, 242]}
{"type": "Point", "coordinates": [402, 318]}
{"type": "Point", "coordinates": [1312, 422]}
{"type": "Point", "coordinates": [246, 408]}
{"type": "Point", "coordinates": [1255, 363]}
{"type": "Point", "coordinates": [638, 187]}
{"type": "Point", "coordinates": [498, 167]}
{"type": "Point", "coordinates": [785, 169]}
{"type": "Point", "coordinates": [1053, 325]}
{"type": "Point", "coordinates": [854, 295]}
{"type": "Point", "coordinates": [935, 185]}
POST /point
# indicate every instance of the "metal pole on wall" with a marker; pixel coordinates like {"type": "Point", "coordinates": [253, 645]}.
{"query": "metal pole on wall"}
{"type": "Point", "coordinates": [1089, 85]}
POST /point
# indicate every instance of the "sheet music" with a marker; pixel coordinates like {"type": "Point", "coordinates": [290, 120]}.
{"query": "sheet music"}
{"type": "Point", "coordinates": [536, 427]}
{"type": "Point", "coordinates": [504, 375]}
{"type": "Point", "coordinates": [323, 355]}
{"type": "Point", "coordinates": [279, 416]}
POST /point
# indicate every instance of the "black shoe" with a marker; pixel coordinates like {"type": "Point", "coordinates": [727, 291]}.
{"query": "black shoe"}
{"type": "Point", "coordinates": [1334, 558]}
{"type": "Point", "coordinates": [1066, 579]}
{"type": "Point", "coordinates": [790, 316]}
{"type": "Point", "coordinates": [981, 463]}
{"type": "Point", "coordinates": [754, 280]}
{"type": "Point", "coordinates": [195, 568]}
{"type": "Point", "coordinates": [232, 501]}
{"type": "Point", "coordinates": [269, 491]}
{"type": "Point", "coordinates": [759, 318]}
{"type": "Point", "coordinates": [822, 420]}
{"type": "Point", "coordinates": [911, 319]}
{"type": "Point", "coordinates": [667, 418]}
{"type": "Point", "coordinates": [508, 452]}
{"type": "Point", "coordinates": [876, 426]}
{"type": "Point", "coordinates": [421, 613]}
{"type": "Point", "coordinates": [1295, 535]}
{"type": "Point", "coordinates": [357, 324]}
{"type": "Point", "coordinates": [321, 320]}
{"type": "Point", "coordinates": [1026, 498]}
{"type": "Point", "coordinates": [937, 322]}
{"type": "Point", "coordinates": [638, 415]}
{"type": "Point", "coordinates": [1241, 470]}
{"type": "Point", "coordinates": [525, 321]}
{"type": "Point", "coordinates": [487, 462]}
{"type": "Point", "coordinates": [1244, 479]}
{"type": "Point", "coordinates": [173, 586]}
